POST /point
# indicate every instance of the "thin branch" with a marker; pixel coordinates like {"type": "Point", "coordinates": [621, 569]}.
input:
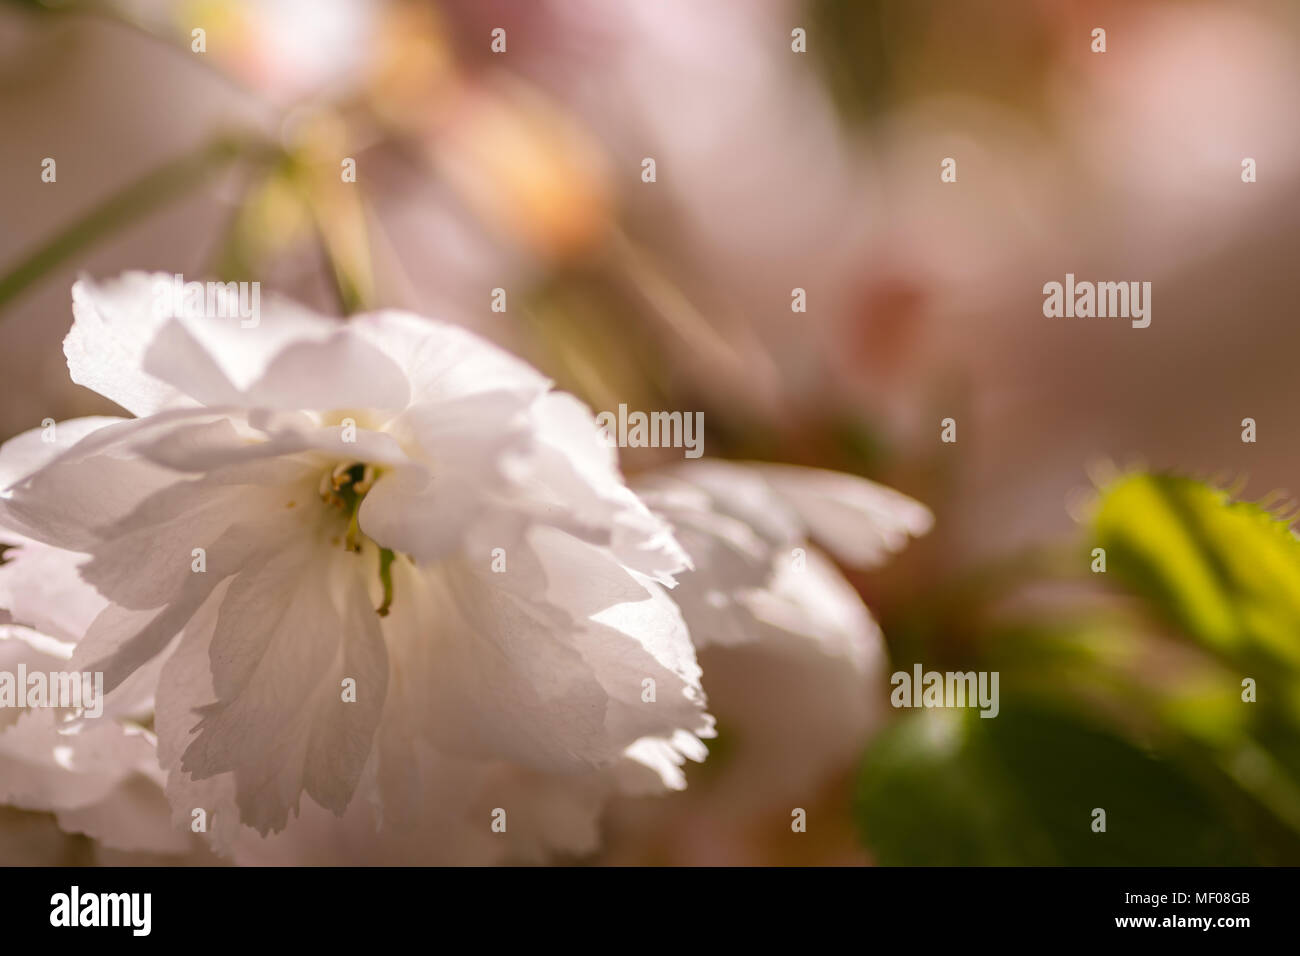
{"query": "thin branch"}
{"type": "Point", "coordinates": [141, 197]}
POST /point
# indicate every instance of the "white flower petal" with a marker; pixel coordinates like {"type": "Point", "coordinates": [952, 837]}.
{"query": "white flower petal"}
{"type": "Point", "coordinates": [289, 360]}
{"type": "Point", "coordinates": [41, 586]}
{"type": "Point", "coordinates": [491, 640]}
{"type": "Point", "coordinates": [30, 451]}
{"type": "Point", "coordinates": [860, 522]}
{"type": "Point", "coordinates": [574, 482]}
{"type": "Point", "coordinates": [444, 363]}
{"type": "Point", "coordinates": [280, 649]}
{"type": "Point", "coordinates": [113, 327]}
{"type": "Point", "coordinates": [424, 509]}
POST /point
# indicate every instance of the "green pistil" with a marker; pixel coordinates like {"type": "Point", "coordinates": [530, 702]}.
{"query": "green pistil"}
{"type": "Point", "coordinates": [344, 488]}
{"type": "Point", "coordinates": [353, 538]}
{"type": "Point", "coordinates": [386, 579]}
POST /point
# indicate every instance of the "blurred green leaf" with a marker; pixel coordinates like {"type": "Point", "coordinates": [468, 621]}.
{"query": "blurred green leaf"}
{"type": "Point", "coordinates": [947, 787]}
{"type": "Point", "coordinates": [1225, 572]}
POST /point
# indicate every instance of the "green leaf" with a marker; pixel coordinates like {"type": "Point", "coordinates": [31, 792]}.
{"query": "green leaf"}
{"type": "Point", "coordinates": [947, 787]}
{"type": "Point", "coordinates": [1227, 573]}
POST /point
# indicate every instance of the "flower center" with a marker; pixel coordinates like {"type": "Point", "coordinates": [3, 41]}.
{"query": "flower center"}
{"type": "Point", "coordinates": [343, 487]}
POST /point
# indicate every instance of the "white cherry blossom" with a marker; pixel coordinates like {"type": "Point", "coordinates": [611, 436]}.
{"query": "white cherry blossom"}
{"type": "Point", "coordinates": [311, 504]}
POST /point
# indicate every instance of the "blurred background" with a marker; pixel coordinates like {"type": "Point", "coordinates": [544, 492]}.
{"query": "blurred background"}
{"type": "Point", "coordinates": [775, 170]}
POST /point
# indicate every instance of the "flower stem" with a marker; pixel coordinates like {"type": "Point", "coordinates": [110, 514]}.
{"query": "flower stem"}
{"type": "Point", "coordinates": [151, 191]}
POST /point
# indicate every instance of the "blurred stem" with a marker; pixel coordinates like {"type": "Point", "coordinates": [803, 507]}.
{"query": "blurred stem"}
{"type": "Point", "coordinates": [229, 257]}
{"type": "Point", "coordinates": [155, 189]}
{"type": "Point", "coordinates": [670, 305]}
{"type": "Point", "coordinates": [346, 256]}
{"type": "Point", "coordinates": [338, 216]}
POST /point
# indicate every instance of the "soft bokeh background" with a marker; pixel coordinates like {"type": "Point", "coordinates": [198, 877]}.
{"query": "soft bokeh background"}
{"type": "Point", "coordinates": [777, 170]}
